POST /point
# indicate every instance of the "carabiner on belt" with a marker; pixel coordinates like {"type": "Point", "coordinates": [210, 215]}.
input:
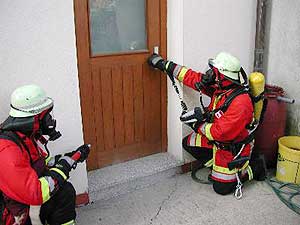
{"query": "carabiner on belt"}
{"type": "Point", "coordinates": [238, 190]}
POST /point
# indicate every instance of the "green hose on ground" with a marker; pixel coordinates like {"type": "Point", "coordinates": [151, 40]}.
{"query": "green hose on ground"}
{"type": "Point", "coordinates": [197, 178]}
{"type": "Point", "coordinates": [288, 193]}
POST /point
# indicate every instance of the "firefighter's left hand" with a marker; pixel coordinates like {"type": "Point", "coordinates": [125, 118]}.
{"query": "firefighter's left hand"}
{"type": "Point", "coordinates": [84, 152]}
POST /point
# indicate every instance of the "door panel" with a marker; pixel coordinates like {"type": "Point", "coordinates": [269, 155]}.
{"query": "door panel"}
{"type": "Point", "coordinates": [123, 101]}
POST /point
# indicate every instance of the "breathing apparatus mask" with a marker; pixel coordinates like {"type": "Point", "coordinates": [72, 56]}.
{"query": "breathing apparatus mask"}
{"type": "Point", "coordinates": [47, 124]}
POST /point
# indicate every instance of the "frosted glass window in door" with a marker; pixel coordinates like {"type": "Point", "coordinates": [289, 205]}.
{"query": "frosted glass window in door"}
{"type": "Point", "coordinates": [117, 26]}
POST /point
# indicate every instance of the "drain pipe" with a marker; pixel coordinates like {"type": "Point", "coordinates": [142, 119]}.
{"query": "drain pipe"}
{"type": "Point", "coordinates": [260, 36]}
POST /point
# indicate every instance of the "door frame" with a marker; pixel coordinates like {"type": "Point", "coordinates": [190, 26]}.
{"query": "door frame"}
{"type": "Point", "coordinates": [83, 54]}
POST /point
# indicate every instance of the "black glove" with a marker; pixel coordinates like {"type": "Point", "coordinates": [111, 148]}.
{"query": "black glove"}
{"type": "Point", "coordinates": [60, 172]}
{"type": "Point", "coordinates": [156, 61]}
{"type": "Point", "coordinates": [193, 118]}
{"type": "Point", "coordinates": [209, 78]}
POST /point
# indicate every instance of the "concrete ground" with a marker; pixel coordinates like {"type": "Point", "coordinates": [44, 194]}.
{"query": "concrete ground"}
{"type": "Point", "coordinates": [180, 200]}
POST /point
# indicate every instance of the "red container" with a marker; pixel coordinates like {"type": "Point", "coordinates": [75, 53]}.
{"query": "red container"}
{"type": "Point", "coordinates": [272, 127]}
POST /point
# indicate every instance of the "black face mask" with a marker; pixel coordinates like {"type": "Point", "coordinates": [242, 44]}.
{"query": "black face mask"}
{"type": "Point", "coordinates": [48, 127]}
{"type": "Point", "coordinates": [209, 78]}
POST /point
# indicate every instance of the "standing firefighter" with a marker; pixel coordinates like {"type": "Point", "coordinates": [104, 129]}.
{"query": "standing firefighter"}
{"type": "Point", "coordinates": [221, 136]}
{"type": "Point", "coordinates": [28, 175]}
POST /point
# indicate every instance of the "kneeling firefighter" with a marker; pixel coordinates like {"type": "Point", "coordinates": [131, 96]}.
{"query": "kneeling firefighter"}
{"type": "Point", "coordinates": [29, 176]}
{"type": "Point", "coordinates": [222, 137]}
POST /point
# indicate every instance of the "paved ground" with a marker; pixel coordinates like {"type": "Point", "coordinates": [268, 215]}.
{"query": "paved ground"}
{"type": "Point", "coordinates": [180, 200]}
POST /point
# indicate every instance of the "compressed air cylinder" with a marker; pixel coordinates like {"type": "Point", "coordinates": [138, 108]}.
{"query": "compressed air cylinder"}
{"type": "Point", "coordinates": [257, 86]}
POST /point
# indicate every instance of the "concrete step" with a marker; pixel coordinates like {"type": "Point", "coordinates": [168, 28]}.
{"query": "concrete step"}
{"type": "Point", "coordinates": [112, 181]}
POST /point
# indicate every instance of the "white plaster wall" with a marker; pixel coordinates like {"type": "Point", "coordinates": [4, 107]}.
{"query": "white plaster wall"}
{"type": "Point", "coordinates": [198, 30]}
{"type": "Point", "coordinates": [283, 64]}
{"type": "Point", "coordinates": [37, 45]}
{"type": "Point", "coordinates": [175, 53]}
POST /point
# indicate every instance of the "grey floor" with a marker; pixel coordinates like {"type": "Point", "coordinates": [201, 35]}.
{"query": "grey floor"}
{"type": "Point", "coordinates": [180, 200]}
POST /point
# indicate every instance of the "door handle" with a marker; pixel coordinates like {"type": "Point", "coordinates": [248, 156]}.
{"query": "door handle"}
{"type": "Point", "coordinates": [156, 50]}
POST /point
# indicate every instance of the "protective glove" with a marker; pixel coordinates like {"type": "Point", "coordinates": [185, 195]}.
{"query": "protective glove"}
{"type": "Point", "coordinates": [193, 118]}
{"type": "Point", "coordinates": [156, 61]}
{"type": "Point", "coordinates": [60, 172]}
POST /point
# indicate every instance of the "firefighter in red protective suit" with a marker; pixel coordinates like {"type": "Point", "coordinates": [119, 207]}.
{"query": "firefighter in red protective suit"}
{"type": "Point", "coordinates": [28, 175]}
{"type": "Point", "coordinates": [221, 131]}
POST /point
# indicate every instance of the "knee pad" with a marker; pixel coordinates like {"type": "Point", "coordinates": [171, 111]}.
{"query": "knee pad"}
{"type": "Point", "coordinates": [223, 188]}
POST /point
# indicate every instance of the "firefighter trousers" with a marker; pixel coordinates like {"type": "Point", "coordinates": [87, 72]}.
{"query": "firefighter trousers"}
{"type": "Point", "coordinates": [203, 155]}
{"type": "Point", "coordinates": [60, 208]}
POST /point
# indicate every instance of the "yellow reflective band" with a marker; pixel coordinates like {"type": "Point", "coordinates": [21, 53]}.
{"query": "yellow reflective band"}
{"type": "Point", "coordinates": [182, 73]}
{"type": "Point", "coordinates": [207, 131]}
{"type": "Point", "coordinates": [224, 170]}
{"type": "Point", "coordinates": [69, 223]}
{"type": "Point", "coordinates": [214, 154]}
{"type": "Point", "coordinates": [209, 163]}
{"type": "Point", "coordinates": [45, 189]}
{"type": "Point", "coordinates": [60, 172]}
{"type": "Point", "coordinates": [250, 173]}
{"type": "Point", "coordinates": [47, 159]}
{"type": "Point", "coordinates": [245, 165]}
{"type": "Point", "coordinates": [216, 101]}
{"type": "Point", "coordinates": [198, 140]}
{"type": "Point", "coordinates": [235, 170]}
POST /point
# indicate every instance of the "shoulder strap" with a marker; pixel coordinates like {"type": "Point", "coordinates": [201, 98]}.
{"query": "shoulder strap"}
{"type": "Point", "coordinates": [12, 136]}
{"type": "Point", "coordinates": [231, 97]}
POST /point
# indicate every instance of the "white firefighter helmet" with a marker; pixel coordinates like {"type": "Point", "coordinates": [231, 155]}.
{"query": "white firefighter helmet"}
{"type": "Point", "coordinates": [29, 100]}
{"type": "Point", "coordinates": [228, 65]}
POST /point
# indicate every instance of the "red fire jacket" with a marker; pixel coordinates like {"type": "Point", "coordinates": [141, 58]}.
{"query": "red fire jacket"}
{"type": "Point", "coordinates": [19, 175]}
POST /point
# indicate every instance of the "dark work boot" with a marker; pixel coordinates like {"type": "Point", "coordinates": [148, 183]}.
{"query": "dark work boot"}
{"type": "Point", "coordinates": [259, 169]}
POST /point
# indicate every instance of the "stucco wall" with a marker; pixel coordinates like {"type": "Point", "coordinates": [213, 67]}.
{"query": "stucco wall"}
{"type": "Point", "coordinates": [283, 49]}
{"type": "Point", "coordinates": [207, 27]}
{"type": "Point", "coordinates": [37, 45]}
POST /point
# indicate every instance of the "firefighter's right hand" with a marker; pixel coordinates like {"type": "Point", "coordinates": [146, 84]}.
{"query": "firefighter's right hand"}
{"type": "Point", "coordinates": [60, 172]}
{"type": "Point", "coordinates": [156, 61]}
{"type": "Point", "coordinates": [195, 115]}
{"type": "Point", "coordinates": [193, 118]}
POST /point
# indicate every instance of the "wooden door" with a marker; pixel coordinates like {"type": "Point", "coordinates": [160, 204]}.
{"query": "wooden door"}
{"type": "Point", "coordinates": [123, 100]}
